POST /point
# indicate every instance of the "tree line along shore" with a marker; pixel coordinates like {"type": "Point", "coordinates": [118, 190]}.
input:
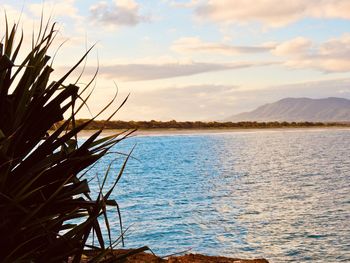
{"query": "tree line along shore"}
{"type": "Point", "coordinates": [147, 125]}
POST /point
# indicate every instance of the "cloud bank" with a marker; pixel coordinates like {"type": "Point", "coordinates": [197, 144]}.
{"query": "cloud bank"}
{"type": "Point", "coordinates": [330, 56]}
{"type": "Point", "coordinates": [139, 72]}
{"type": "Point", "coordinates": [273, 13]}
{"type": "Point", "coordinates": [194, 44]}
{"type": "Point", "coordinates": [217, 102]}
{"type": "Point", "coordinates": [117, 13]}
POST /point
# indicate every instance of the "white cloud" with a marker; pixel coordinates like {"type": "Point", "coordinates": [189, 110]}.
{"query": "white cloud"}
{"type": "Point", "coordinates": [330, 56]}
{"type": "Point", "coordinates": [336, 47]}
{"type": "Point", "coordinates": [296, 46]}
{"type": "Point", "coordinates": [192, 3]}
{"type": "Point", "coordinates": [13, 16]}
{"type": "Point", "coordinates": [59, 8]}
{"type": "Point", "coordinates": [217, 102]}
{"type": "Point", "coordinates": [274, 13]}
{"type": "Point", "coordinates": [64, 13]}
{"type": "Point", "coordinates": [152, 71]}
{"type": "Point", "coordinates": [300, 52]}
{"type": "Point", "coordinates": [194, 44]}
{"type": "Point", "coordinates": [117, 13]}
{"type": "Point", "coordinates": [198, 102]}
{"type": "Point", "coordinates": [24, 21]}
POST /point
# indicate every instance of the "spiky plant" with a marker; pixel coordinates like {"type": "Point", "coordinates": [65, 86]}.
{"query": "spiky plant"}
{"type": "Point", "coordinates": [41, 188]}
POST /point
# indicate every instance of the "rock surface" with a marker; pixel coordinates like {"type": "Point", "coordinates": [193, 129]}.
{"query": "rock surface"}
{"type": "Point", "coordinates": [143, 257]}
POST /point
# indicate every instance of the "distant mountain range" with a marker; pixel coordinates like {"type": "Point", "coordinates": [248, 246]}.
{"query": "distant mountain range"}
{"type": "Point", "coordinates": [299, 109]}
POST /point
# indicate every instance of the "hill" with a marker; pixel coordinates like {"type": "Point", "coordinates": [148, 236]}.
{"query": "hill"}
{"type": "Point", "coordinates": [299, 110]}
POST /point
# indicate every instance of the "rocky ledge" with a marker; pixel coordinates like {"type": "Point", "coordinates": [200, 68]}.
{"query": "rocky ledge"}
{"type": "Point", "coordinates": [144, 257]}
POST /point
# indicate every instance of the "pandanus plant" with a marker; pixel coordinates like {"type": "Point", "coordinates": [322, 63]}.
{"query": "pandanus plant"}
{"type": "Point", "coordinates": [42, 187]}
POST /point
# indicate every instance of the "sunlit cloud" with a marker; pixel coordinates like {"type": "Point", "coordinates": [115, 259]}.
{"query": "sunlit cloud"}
{"type": "Point", "coordinates": [217, 102]}
{"type": "Point", "coordinates": [117, 13]}
{"type": "Point", "coordinates": [57, 8]}
{"type": "Point", "coordinates": [142, 71]}
{"type": "Point", "coordinates": [198, 53]}
{"type": "Point", "coordinates": [272, 13]}
{"type": "Point", "coordinates": [195, 45]}
{"type": "Point", "coordinates": [296, 46]}
{"type": "Point", "coordinates": [198, 102]}
{"type": "Point", "coordinates": [330, 56]}
{"type": "Point", "coordinates": [187, 4]}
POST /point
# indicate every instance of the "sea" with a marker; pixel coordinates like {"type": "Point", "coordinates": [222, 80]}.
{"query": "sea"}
{"type": "Point", "coordinates": [283, 194]}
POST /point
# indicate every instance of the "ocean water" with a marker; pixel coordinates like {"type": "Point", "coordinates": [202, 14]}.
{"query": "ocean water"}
{"type": "Point", "coordinates": [283, 195]}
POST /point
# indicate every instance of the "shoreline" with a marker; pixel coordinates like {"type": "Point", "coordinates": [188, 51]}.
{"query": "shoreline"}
{"type": "Point", "coordinates": [176, 131]}
{"type": "Point", "coordinates": [135, 256]}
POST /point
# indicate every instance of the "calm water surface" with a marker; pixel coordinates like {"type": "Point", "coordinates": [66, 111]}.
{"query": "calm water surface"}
{"type": "Point", "coordinates": [282, 195]}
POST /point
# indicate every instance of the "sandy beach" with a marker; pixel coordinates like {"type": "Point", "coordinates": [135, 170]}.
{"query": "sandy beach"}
{"type": "Point", "coordinates": [169, 132]}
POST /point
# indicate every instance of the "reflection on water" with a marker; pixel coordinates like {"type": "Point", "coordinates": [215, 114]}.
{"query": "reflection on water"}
{"type": "Point", "coordinates": [282, 195]}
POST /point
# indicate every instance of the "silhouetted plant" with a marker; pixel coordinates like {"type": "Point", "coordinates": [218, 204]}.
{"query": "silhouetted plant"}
{"type": "Point", "coordinates": [41, 190]}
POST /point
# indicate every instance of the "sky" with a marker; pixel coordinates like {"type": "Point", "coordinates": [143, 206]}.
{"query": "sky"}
{"type": "Point", "coordinates": [197, 59]}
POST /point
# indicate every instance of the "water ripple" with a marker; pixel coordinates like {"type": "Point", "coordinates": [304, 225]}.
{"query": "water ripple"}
{"type": "Point", "coordinates": [280, 195]}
